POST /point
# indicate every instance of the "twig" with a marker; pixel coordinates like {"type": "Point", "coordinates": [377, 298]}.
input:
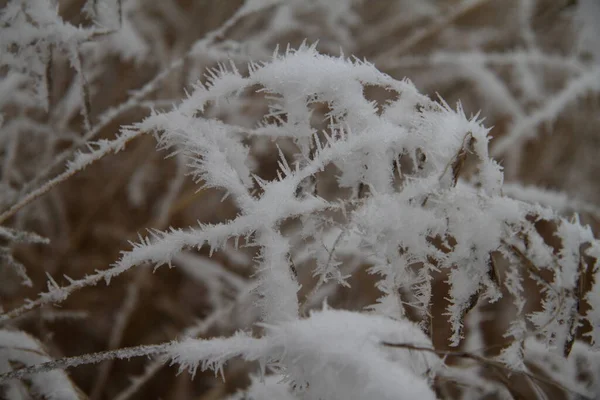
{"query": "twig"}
{"type": "Point", "coordinates": [74, 168]}
{"type": "Point", "coordinates": [482, 360]}
{"type": "Point", "coordinates": [111, 114]}
{"type": "Point", "coordinates": [322, 278]}
{"type": "Point", "coordinates": [194, 331]}
{"type": "Point", "coordinates": [91, 358]}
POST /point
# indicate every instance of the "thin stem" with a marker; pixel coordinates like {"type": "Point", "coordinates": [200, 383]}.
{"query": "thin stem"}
{"type": "Point", "coordinates": [482, 360]}
{"type": "Point", "coordinates": [91, 358]}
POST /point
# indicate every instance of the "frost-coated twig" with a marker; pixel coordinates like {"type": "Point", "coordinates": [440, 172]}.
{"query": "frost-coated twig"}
{"type": "Point", "coordinates": [133, 101]}
{"type": "Point", "coordinates": [557, 200]}
{"type": "Point", "coordinates": [160, 251]}
{"type": "Point", "coordinates": [323, 278]}
{"type": "Point", "coordinates": [426, 199]}
{"type": "Point", "coordinates": [193, 331]}
{"type": "Point", "coordinates": [124, 353]}
{"type": "Point", "coordinates": [9, 237]}
{"type": "Point", "coordinates": [105, 119]}
{"type": "Point", "coordinates": [82, 161]}
{"type": "Point", "coordinates": [487, 362]}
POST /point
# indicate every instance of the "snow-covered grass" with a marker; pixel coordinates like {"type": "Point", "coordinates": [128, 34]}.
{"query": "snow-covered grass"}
{"type": "Point", "coordinates": [352, 235]}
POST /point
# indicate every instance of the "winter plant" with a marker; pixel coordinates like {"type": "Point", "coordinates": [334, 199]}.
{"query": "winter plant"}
{"type": "Point", "coordinates": [396, 189]}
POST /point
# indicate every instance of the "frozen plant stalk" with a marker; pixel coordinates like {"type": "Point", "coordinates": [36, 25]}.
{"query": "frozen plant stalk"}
{"type": "Point", "coordinates": [425, 197]}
